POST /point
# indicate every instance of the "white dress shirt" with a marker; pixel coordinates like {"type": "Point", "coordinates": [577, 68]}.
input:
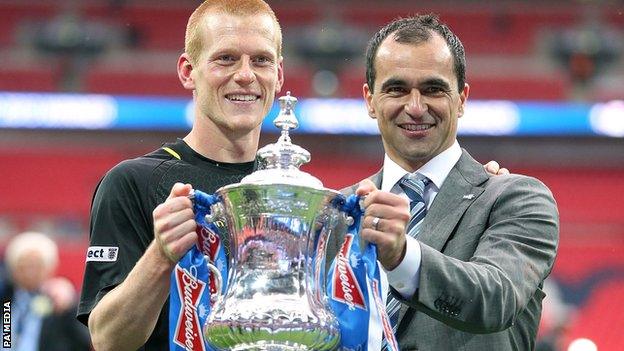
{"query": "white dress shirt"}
{"type": "Point", "coordinates": [404, 278]}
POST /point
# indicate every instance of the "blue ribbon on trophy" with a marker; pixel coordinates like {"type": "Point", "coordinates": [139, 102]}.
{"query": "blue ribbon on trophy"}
{"type": "Point", "coordinates": [193, 283]}
{"type": "Point", "coordinates": [355, 290]}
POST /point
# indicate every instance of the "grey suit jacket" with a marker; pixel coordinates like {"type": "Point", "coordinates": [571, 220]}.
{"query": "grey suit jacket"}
{"type": "Point", "coordinates": [488, 243]}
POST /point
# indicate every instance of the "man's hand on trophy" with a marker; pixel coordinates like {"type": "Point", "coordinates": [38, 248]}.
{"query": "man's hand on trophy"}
{"type": "Point", "coordinates": [174, 223]}
{"type": "Point", "coordinates": [385, 219]}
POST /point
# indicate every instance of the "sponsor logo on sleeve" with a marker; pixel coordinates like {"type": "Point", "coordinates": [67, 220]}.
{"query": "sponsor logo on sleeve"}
{"type": "Point", "coordinates": [102, 253]}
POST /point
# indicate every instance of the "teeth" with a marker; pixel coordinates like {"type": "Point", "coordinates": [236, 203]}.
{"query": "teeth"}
{"type": "Point", "coordinates": [242, 97]}
{"type": "Point", "coordinates": [415, 127]}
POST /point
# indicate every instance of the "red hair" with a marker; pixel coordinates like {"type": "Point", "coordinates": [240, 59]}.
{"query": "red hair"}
{"type": "Point", "coordinates": [192, 40]}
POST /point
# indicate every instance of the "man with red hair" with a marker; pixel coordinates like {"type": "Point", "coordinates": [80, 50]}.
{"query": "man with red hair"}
{"type": "Point", "coordinates": [233, 64]}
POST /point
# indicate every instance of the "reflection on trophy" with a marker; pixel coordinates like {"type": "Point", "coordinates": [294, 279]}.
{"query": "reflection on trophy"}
{"type": "Point", "coordinates": [278, 219]}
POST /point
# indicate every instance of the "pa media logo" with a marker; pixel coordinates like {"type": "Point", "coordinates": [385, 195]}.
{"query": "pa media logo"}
{"type": "Point", "coordinates": [6, 324]}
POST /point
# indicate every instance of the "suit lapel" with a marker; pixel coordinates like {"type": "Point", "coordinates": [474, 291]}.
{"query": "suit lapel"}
{"type": "Point", "coordinates": [460, 189]}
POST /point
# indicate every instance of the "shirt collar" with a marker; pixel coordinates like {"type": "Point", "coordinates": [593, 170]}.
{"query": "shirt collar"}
{"type": "Point", "coordinates": [437, 169]}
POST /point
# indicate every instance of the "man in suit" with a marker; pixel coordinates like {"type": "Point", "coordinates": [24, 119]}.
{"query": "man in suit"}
{"type": "Point", "coordinates": [467, 256]}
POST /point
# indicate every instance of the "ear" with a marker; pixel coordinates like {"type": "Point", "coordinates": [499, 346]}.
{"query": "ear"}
{"type": "Point", "coordinates": [280, 75]}
{"type": "Point", "coordinates": [462, 99]}
{"type": "Point", "coordinates": [368, 98]}
{"type": "Point", "coordinates": [185, 70]}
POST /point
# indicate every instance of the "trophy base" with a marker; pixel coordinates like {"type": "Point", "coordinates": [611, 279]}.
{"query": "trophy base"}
{"type": "Point", "coordinates": [239, 338]}
{"type": "Point", "coordinates": [268, 346]}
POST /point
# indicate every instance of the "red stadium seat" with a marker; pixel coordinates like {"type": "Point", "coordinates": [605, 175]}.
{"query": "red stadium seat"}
{"type": "Point", "coordinates": [298, 80]}
{"type": "Point", "coordinates": [12, 14]}
{"type": "Point", "coordinates": [29, 79]}
{"type": "Point", "coordinates": [541, 88]}
{"type": "Point", "coordinates": [107, 81]}
{"type": "Point", "coordinates": [600, 320]}
{"type": "Point", "coordinates": [351, 81]}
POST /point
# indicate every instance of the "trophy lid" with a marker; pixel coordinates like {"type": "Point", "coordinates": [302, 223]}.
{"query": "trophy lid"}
{"type": "Point", "coordinates": [279, 162]}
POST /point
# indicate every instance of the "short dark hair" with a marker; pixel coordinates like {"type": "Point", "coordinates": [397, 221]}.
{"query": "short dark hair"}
{"type": "Point", "coordinates": [415, 30]}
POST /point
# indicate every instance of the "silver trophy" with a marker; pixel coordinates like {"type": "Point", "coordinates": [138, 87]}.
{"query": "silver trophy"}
{"type": "Point", "coordinates": [278, 219]}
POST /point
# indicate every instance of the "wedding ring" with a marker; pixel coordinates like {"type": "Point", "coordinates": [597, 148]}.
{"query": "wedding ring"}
{"type": "Point", "coordinates": [376, 223]}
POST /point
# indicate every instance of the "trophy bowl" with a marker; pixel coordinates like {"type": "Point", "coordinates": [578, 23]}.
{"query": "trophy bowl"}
{"type": "Point", "coordinates": [278, 220]}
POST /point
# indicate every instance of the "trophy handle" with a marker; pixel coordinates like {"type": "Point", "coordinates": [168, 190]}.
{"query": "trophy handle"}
{"type": "Point", "coordinates": [218, 280]}
{"type": "Point", "coordinates": [205, 216]}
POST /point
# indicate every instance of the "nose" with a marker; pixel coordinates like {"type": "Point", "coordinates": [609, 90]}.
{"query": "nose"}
{"type": "Point", "coordinates": [244, 74]}
{"type": "Point", "coordinates": [415, 106]}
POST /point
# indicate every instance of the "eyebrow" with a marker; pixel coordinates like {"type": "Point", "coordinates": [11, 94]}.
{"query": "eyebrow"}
{"type": "Point", "coordinates": [437, 82]}
{"type": "Point", "coordinates": [392, 82]}
{"type": "Point", "coordinates": [268, 54]}
{"type": "Point", "coordinates": [237, 52]}
{"type": "Point", "coordinates": [429, 82]}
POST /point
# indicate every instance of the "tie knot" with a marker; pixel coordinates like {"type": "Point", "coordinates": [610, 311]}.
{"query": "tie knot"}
{"type": "Point", "coordinates": [413, 185]}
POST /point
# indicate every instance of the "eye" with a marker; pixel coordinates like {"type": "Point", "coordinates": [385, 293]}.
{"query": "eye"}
{"type": "Point", "coordinates": [225, 59]}
{"type": "Point", "coordinates": [434, 90]}
{"type": "Point", "coordinates": [395, 90]}
{"type": "Point", "coordinates": [262, 60]}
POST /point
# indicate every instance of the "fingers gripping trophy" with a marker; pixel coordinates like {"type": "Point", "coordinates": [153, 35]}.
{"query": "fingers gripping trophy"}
{"type": "Point", "coordinates": [278, 219]}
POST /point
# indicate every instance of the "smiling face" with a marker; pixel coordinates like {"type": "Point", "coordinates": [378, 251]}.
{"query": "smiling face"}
{"type": "Point", "coordinates": [237, 74]}
{"type": "Point", "coordinates": [416, 100]}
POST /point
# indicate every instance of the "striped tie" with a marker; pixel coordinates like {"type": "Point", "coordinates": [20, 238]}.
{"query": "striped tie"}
{"type": "Point", "coordinates": [414, 186]}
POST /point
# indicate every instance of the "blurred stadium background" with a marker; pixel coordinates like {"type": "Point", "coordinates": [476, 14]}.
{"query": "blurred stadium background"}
{"type": "Point", "coordinates": [85, 84]}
